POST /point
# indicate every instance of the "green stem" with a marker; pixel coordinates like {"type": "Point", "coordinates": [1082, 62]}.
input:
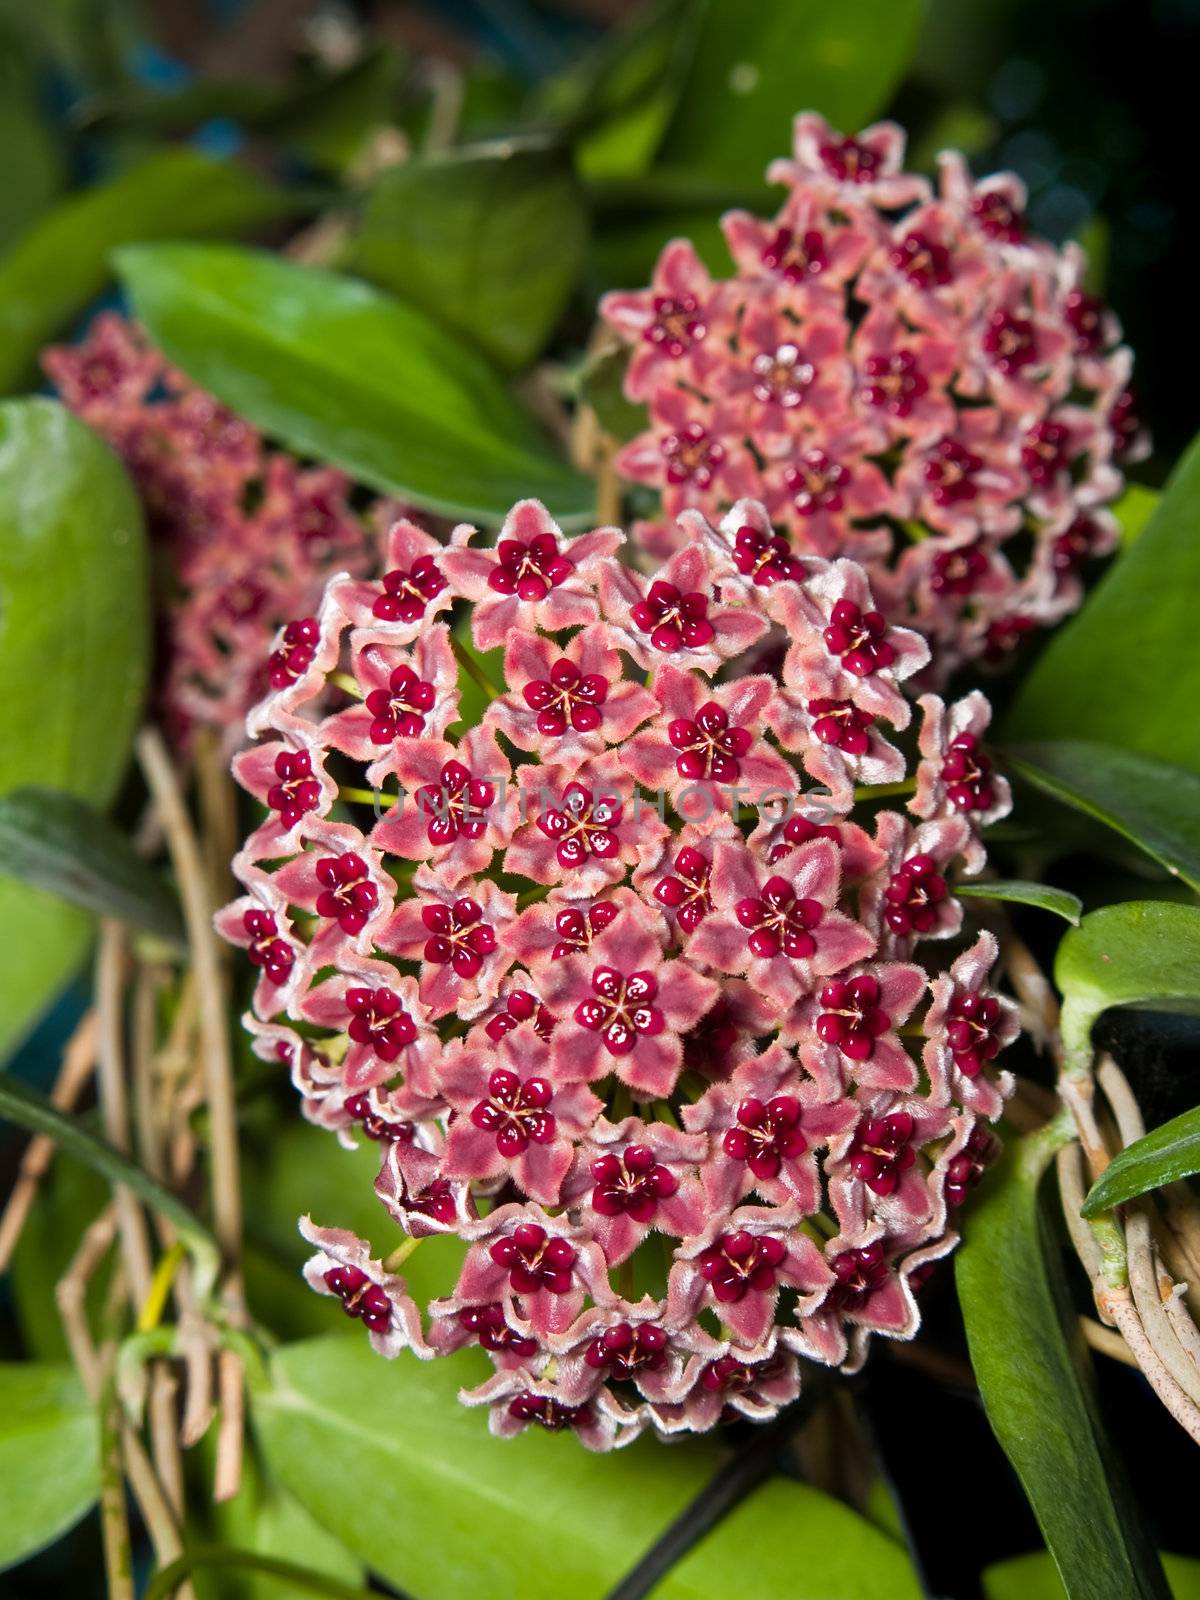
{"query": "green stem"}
{"type": "Point", "coordinates": [884, 791]}
{"type": "Point", "coordinates": [400, 1255]}
{"type": "Point", "coordinates": [472, 668]}
{"type": "Point", "coordinates": [166, 1583]}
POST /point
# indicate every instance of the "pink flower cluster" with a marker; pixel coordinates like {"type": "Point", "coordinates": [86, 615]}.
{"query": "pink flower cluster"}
{"type": "Point", "coordinates": [249, 535]}
{"type": "Point", "coordinates": [634, 1000]}
{"type": "Point", "coordinates": [904, 377]}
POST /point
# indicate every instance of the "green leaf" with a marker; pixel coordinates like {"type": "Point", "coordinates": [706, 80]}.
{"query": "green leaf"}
{"type": "Point", "coordinates": [33, 158]}
{"type": "Point", "coordinates": [63, 845]}
{"type": "Point", "coordinates": [1124, 670]}
{"type": "Point", "coordinates": [1155, 805]}
{"type": "Point", "coordinates": [33, 1111]}
{"type": "Point", "coordinates": [1033, 1577]}
{"type": "Point", "coordinates": [602, 386]}
{"type": "Point", "coordinates": [337, 370]}
{"type": "Point", "coordinates": [49, 1458]}
{"type": "Point", "coordinates": [1139, 953]}
{"type": "Point", "coordinates": [1168, 1153]}
{"type": "Point", "coordinates": [1134, 510]}
{"type": "Point", "coordinates": [488, 240]}
{"type": "Point", "coordinates": [362, 1442]}
{"type": "Point", "coordinates": [61, 264]}
{"type": "Point", "coordinates": [1042, 895]}
{"type": "Point", "coordinates": [74, 655]}
{"type": "Point", "coordinates": [1033, 1386]}
{"type": "Point", "coordinates": [756, 65]}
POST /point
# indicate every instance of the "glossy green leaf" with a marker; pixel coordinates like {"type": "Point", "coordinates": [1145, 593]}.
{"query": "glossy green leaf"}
{"type": "Point", "coordinates": [49, 1459]}
{"type": "Point", "coordinates": [1033, 1577]}
{"type": "Point", "coordinates": [62, 263]}
{"type": "Point", "coordinates": [1139, 953]}
{"type": "Point", "coordinates": [1125, 670]}
{"type": "Point", "coordinates": [1033, 1385]}
{"type": "Point", "coordinates": [63, 845]}
{"type": "Point", "coordinates": [74, 654]}
{"type": "Point", "coordinates": [1162, 1156]}
{"type": "Point", "coordinates": [1042, 895]}
{"type": "Point", "coordinates": [362, 1442]}
{"type": "Point", "coordinates": [488, 240]}
{"type": "Point", "coordinates": [340, 371]}
{"type": "Point", "coordinates": [264, 1520]}
{"type": "Point", "coordinates": [1155, 805]}
{"type": "Point", "coordinates": [756, 65]}
{"type": "Point", "coordinates": [33, 1111]}
{"type": "Point", "coordinates": [33, 157]}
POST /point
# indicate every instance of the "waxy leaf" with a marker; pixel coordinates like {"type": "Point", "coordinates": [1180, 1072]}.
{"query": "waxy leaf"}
{"type": "Point", "coordinates": [1155, 805]}
{"type": "Point", "coordinates": [1125, 670]}
{"type": "Point", "coordinates": [338, 370]}
{"type": "Point", "coordinates": [1139, 953]}
{"type": "Point", "coordinates": [275, 1576]}
{"type": "Point", "coordinates": [62, 263]}
{"type": "Point", "coordinates": [1037, 1398]}
{"type": "Point", "coordinates": [1168, 1153]}
{"type": "Point", "coordinates": [361, 1442]}
{"type": "Point", "coordinates": [74, 654]}
{"type": "Point", "coordinates": [1042, 895]}
{"type": "Point", "coordinates": [1134, 510]}
{"type": "Point", "coordinates": [49, 1457]}
{"type": "Point", "coordinates": [61, 844]}
{"type": "Point", "coordinates": [755, 66]}
{"type": "Point", "coordinates": [488, 240]}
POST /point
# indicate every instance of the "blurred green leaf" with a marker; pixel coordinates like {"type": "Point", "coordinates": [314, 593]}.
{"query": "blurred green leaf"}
{"type": "Point", "coordinates": [74, 656]}
{"type": "Point", "coordinates": [324, 114]}
{"type": "Point", "coordinates": [1134, 510]}
{"type": "Point", "coordinates": [602, 386]}
{"type": "Point", "coordinates": [619, 97]}
{"type": "Point", "coordinates": [489, 240]}
{"type": "Point", "coordinates": [1033, 1385]}
{"type": "Point", "coordinates": [49, 1458]}
{"type": "Point", "coordinates": [1154, 804]}
{"type": "Point", "coordinates": [1042, 895]}
{"type": "Point", "coordinates": [34, 166]}
{"type": "Point", "coordinates": [1139, 953]}
{"type": "Point", "coordinates": [756, 65]}
{"type": "Point", "coordinates": [1033, 1577]}
{"type": "Point", "coordinates": [361, 1442]}
{"type": "Point", "coordinates": [1162, 1156]}
{"type": "Point", "coordinates": [340, 371]}
{"type": "Point", "coordinates": [626, 247]}
{"type": "Point", "coordinates": [59, 843]}
{"type": "Point", "coordinates": [52, 273]}
{"type": "Point", "coordinates": [1125, 669]}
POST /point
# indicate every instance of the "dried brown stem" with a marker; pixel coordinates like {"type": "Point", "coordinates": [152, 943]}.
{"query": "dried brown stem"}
{"type": "Point", "coordinates": [79, 1060]}
{"type": "Point", "coordinates": [162, 1407]}
{"type": "Point", "coordinates": [1107, 1341]}
{"type": "Point", "coordinates": [214, 1038]}
{"type": "Point", "coordinates": [227, 1479]}
{"type": "Point", "coordinates": [70, 1294]}
{"type": "Point", "coordinates": [114, 1102]}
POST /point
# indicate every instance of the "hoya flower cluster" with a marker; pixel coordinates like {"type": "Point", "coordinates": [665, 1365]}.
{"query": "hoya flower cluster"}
{"type": "Point", "coordinates": [248, 535]}
{"type": "Point", "coordinates": [634, 999]}
{"type": "Point", "coordinates": [902, 376]}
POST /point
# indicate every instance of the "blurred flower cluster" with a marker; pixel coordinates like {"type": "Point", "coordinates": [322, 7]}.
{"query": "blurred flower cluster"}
{"type": "Point", "coordinates": [635, 985]}
{"type": "Point", "coordinates": [247, 534]}
{"type": "Point", "coordinates": [905, 377]}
